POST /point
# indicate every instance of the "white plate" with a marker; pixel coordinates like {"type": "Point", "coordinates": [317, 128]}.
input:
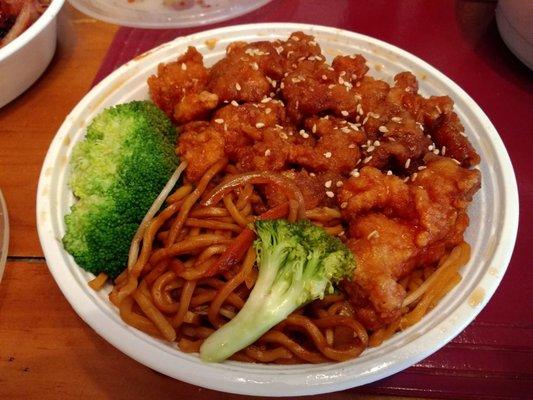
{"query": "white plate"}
{"type": "Point", "coordinates": [492, 232]}
{"type": "Point", "coordinates": [155, 14]}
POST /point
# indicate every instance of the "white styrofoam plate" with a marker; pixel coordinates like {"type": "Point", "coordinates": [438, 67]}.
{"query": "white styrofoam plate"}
{"type": "Point", "coordinates": [159, 14]}
{"type": "Point", "coordinates": [492, 231]}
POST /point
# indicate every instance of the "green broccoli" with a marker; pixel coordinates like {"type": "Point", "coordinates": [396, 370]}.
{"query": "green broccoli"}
{"type": "Point", "coordinates": [119, 169]}
{"type": "Point", "coordinates": [298, 263]}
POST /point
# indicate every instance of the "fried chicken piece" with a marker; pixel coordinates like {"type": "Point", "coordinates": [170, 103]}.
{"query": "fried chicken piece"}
{"type": "Point", "coordinates": [448, 135]}
{"type": "Point", "coordinates": [313, 88]}
{"type": "Point", "coordinates": [318, 190]}
{"type": "Point", "coordinates": [201, 144]}
{"type": "Point", "coordinates": [396, 226]}
{"type": "Point", "coordinates": [248, 73]}
{"type": "Point", "coordinates": [178, 88]}
{"type": "Point", "coordinates": [435, 114]}
{"type": "Point", "coordinates": [397, 141]}
{"type": "Point", "coordinates": [298, 47]}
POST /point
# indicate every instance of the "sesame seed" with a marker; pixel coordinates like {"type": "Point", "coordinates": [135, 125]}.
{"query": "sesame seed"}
{"type": "Point", "coordinates": [367, 159]}
{"type": "Point", "coordinates": [389, 172]}
{"type": "Point", "coordinates": [431, 147]}
{"type": "Point", "coordinates": [383, 129]}
{"type": "Point", "coordinates": [272, 94]}
{"type": "Point", "coordinates": [327, 154]}
{"type": "Point", "coordinates": [352, 146]}
{"type": "Point", "coordinates": [254, 66]}
{"type": "Point", "coordinates": [443, 151]}
{"type": "Point", "coordinates": [396, 119]}
{"type": "Point", "coordinates": [268, 110]}
{"type": "Point", "coordinates": [225, 126]}
{"type": "Point", "coordinates": [373, 234]}
{"type": "Point", "coordinates": [345, 113]}
{"type": "Point", "coordinates": [422, 167]}
{"type": "Point", "coordinates": [237, 86]}
{"type": "Point", "coordinates": [324, 77]}
{"type": "Point", "coordinates": [331, 86]}
{"type": "Point", "coordinates": [355, 173]}
{"type": "Point", "coordinates": [312, 174]}
{"type": "Point", "coordinates": [303, 134]}
{"type": "Point", "coordinates": [345, 129]}
{"type": "Point", "coordinates": [267, 152]}
{"type": "Point", "coordinates": [279, 49]}
{"type": "Point", "coordinates": [456, 161]}
{"type": "Point", "coordinates": [339, 184]}
{"type": "Point", "coordinates": [407, 163]}
{"type": "Point", "coordinates": [370, 149]}
{"type": "Point", "coordinates": [313, 129]}
{"type": "Point", "coordinates": [219, 121]}
{"type": "Point", "coordinates": [282, 85]}
{"type": "Point", "coordinates": [360, 109]}
{"type": "Point", "coordinates": [234, 103]}
{"type": "Point", "coordinates": [328, 184]}
{"type": "Point", "coordinates": [462, 134]}
{"type": "Point", "coordinates": [184, 66]}
{"type": "Point", "coordinates": [413, 177]}
{"type": "Point", "coordinates": [377, 143]}
{"type": "Point", "coordinates": [438, 109]}
{"type": "Point", "coordinates": [374, 115]}
{"type": "Point", "coordinates": [259, 125]}
{"type": "Point", "coordinates": [436, 152]}
{"type": "Point", "coordinates": [295, 38]}
{"type": "Point", "coordinates": [344, 204]}
{"type": "Point", "coordinates": [366, 119]}
{"type": "Point", "coordinates": [341, 81]}
{"type": "Point", "coordinates": [330, 194]}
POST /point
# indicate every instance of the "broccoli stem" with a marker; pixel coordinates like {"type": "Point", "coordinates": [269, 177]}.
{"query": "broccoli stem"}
{"type": "Point", "coordinates": [263, 310]}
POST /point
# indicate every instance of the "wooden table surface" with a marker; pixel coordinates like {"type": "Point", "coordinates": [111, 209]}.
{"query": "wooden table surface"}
{"type": "Point", "coordinates": [46, 350]}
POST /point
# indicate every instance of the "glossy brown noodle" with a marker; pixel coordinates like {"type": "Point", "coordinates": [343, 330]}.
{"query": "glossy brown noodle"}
{"type": "Point", "coordinates": [197, 267]}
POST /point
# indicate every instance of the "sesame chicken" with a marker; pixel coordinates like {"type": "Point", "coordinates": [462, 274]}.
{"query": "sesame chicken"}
{"type": "Point", "coordinates": [393, 163]}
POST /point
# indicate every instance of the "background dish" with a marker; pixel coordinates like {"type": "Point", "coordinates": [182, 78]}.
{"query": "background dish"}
{"type": "Point", "coordinates": [154, 14]}
{"type": "Point", "coordinates": [24, 59]}
{"type": "Point", "coordinates": [494, 218]}
{"type": "Point", "coordinates": [4, 234]}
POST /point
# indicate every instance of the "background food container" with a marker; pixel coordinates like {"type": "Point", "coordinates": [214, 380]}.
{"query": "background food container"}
{"type": "Point", "coordinates": [24, 59]}
{"type": "Point", "coordinates": [515, 23]}
{"type": "Point", "coordinates": [4, 234]}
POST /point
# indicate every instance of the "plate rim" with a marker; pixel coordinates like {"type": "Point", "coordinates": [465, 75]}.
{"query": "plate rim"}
{"type": "Point", "coordinates": [502, 254]}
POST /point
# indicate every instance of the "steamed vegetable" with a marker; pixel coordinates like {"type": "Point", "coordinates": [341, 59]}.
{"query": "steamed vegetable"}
{"type": "Point", "coordinates": [298, 263]}
{"type": "Point", "coordinates": [119, 169]}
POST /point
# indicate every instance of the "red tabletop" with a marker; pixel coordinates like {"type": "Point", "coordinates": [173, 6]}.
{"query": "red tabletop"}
{"type": "Point", "coordinates": [492, 358]}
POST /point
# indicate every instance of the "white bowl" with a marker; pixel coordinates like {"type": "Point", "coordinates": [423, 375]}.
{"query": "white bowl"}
{"type": "Point", "coordinates": [494, 221]}
{"type": "Point", "coordinates": [24, 59]}
{"type": "Point", "coordinates": [515, 24]}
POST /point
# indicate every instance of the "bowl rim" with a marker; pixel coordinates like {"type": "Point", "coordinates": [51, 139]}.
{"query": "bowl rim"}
{"type": "Point", "coordinates": [213, 376]}
{"type": "Point", "coordinates": [35, 28]}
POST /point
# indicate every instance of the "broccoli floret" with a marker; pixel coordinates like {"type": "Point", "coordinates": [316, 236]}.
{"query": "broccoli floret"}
{"type": "Point", "coordinates": [119, 169]}
{"type": "Point", "coordinates": [298, 263]}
